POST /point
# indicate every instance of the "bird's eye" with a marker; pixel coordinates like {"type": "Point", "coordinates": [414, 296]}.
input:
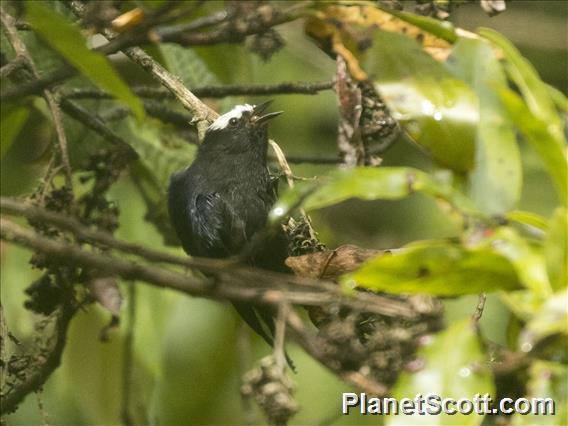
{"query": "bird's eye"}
{"type": "Point", "coordinates": [233, 121]}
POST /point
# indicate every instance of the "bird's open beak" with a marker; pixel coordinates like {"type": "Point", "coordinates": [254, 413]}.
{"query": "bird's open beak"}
{"type": "Point", "coordinates": [257, 117]}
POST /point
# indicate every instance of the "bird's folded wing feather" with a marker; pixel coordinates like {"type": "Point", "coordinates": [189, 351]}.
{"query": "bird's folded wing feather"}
{"type": "Point", "coordinates": [209, 217]}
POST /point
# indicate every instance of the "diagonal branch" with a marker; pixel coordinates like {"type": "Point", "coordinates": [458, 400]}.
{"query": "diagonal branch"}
{"type": "Point", "coordinates": [94, 122]}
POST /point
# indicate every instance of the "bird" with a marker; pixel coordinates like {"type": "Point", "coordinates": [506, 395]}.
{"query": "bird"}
{"type": "Point", "coordinates": [220, 203]}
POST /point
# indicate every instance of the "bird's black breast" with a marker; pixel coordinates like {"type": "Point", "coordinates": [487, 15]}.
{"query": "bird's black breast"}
{"type": "Point", "coordinates": [217, 208]}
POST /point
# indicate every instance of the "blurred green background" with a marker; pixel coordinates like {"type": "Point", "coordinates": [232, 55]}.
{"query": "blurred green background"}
{"type": "Point", "coordinates": [189, 352]}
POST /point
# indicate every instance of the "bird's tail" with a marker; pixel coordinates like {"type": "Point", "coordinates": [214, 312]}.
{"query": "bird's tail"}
{"type": "Point", "coordinates": [255, 317]}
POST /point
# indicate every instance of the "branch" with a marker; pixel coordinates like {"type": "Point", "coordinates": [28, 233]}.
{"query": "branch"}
{"type": "Point", "coordinates": [94, 122]}
{"type": "Point", "coordinates": [37, 86]}
{"type": "Point", "coordinates": [153, 108]}
{"type": "Point", "coordinates": [184, 34]}
{"type": "Point", "coordinates": [202, 114]}
{"type": "Point", "coordinates": [18, 62]}
{"type": "Point", "coordinates": [234, 31]}
{"type": "Point", "coordinates": [203, 22]}
{"type": "Point", "coordinates": [228, 280]}
{"type": "Point", "coordinates": [233, 281]}
{"type": "Point", "coordinates": [299, 159]}
{"type": "Point", "coordinates": [479, 308]}
{"type": "Point", "coordinates": [46, 363]}
{"type": "Point", "coordinates": [283, 88]}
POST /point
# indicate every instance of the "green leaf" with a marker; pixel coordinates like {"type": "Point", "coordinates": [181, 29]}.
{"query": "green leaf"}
{"type": "Point", "coordinates": [546, 380]}
{"type": "Point", "coordinates": [436, 268]}
{"type": "Point", "coordinates": [161, 151]}
{"type": "Point", "coordinates": [437, 110]}
{"type": "Point", "coordinates": [537, 133]}
{"type": "Point", "coordinates": [67, 39]}
{"type": "Point", "coordinates": [536, 117]}
{"type": "Point", "coordinates": [527, 218]}
{"type": "Point", "coordinates": [455, 366]}
{"type": "Point", "coordinates": [526, 257]}
{"type": "Point", "coordinates": [524, 303]}
{"type": "Point", "coordinates": [191, 68]}
{"type": "Point", "coordinates": [496, 180]}
{"type": "Point", "coordinates": [534, 90]}
{"type": "Point", "coordinates": [237, 55]}
{"type": "Point", "coordinates": [187, 65]}
{"type": "Point", "coordinates": [389, 183]}
{"type": "Point", "coordinates": [555, 251]}
{"type": "Point", "coordinates": [559, 99]}
{"type": "Point", "coordinates": [13, 119]}
{"type": "Point", "coordinates": [550, 319]}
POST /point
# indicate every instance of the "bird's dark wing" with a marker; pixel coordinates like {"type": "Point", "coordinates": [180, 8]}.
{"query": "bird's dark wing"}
{"type": "Point", "coordinates": [207, 215]}
{"type": "Point", "coordinates": [216, 230]}
{"type": "Point", "coordinates": [179, 196]}
{"type": "Point", "coordinates": [203, 221]}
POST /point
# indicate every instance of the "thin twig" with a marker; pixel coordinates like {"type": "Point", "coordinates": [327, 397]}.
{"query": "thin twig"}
{"type": "Point", "coordinates": [61, 137]}
{"type": "Point", "coordinates": [280, 336]}
{"type": "Point", "coordinates": [479, 308]}
{"type": "Point", "coordinates": [41, 408]}
{"type": "Point", "coordinates": [153, 108]}
{"type": "Point", "coordinates": [290, 179]}
{"type": "Point", "coordinates": [200, 23]}
{"type": "Point", "coordinates": [281, 158]}
{"type": "Point", "coordinates": [300, 159]}
{"type": "Point", "coordinates": [9, 24]}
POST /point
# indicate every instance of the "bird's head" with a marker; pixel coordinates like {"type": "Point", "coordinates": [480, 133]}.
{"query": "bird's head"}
{"type": "Point", "coordinates": [242, 128]}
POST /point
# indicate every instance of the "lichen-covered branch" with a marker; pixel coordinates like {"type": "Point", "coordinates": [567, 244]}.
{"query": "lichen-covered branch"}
{"type": "Point", "coordinates": [45, 361]}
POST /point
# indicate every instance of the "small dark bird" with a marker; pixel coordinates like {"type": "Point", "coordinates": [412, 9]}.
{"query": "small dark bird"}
{"type": "Point", "coordinates": [219, 203]}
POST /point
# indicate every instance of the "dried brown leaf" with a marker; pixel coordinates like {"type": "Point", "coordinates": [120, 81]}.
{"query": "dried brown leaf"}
{"type": "Point", "coordinates": [330, 264]}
